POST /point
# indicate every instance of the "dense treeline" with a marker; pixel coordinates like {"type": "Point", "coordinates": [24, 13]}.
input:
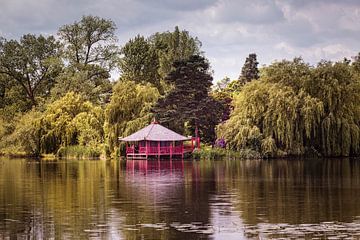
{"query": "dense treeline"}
{"type": "Point", "coordinates": [56, 96]}
{"type": "Point", "coordinates": [297, 109]}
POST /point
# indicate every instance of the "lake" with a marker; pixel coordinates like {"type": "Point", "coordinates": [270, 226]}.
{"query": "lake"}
{"type": "Point", "coordinates": [242, 199]}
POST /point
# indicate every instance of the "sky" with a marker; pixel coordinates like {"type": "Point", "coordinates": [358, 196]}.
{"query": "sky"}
{"type": "Point", "coordinates": [228, 29]}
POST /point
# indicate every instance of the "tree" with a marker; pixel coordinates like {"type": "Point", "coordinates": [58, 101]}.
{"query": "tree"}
{"type": "Point", "coordinates": [97, 91]}
{"type": "Point", "coordinates": [33, 63]}
{"type": "Point", "coordinates": [223, 93]}
{"type": "Point", "coordinates": [71, 121]}
{"type": "Point", "coordinates": [25, 135]}
{"type": "Point", "coordinates": [91, 41]}
{"type": "Point", "coordinates": [174, 46]}
{"type": "Point", "coordinates": [356, 63]}
{"type": "Point", "coordinates": [187, 105]}
{"type": "Point", "coordinates": [222, 84]}
{"type": "Point", "coordinates": [150, 60]}
{"type": "Point", "coordinates": [128, 110]}
{"type": "Point", "coordinates": [250, 70]}
{"type": "Point", "coordinates": [140, 62]}
{"type": "Point", "coordinates": [91, 51]}
{"type": "Point", "coordinates": [297, 109]}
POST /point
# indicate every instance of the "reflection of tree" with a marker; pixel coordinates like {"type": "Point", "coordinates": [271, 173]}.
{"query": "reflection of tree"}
{"type": "Point", "coordinates": [63, 197]}
{"type": "Point", "coordinates": [84, 199]}
{"type": "Point", "coordinates": [107, 199]}
{"type": "Point", "coordinates": [295, 191]}
{"type": "Point", "coordinates": [163, 192]}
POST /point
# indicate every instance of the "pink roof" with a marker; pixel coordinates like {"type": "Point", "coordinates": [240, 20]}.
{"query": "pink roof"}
{"type": "Point", "coordinates": [154, 132]}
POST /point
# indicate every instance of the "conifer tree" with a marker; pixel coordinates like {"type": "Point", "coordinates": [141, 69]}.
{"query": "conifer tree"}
{"type": "Point", "coordinates": [189, 105]}
{"type": "Point", "coordinates": [250, 70]}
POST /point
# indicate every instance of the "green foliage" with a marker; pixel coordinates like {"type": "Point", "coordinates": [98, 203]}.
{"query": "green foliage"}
{"type": "Point", "coordinates": [250, 70]}
{"type": "Point", "coordinates": [188, 103]}
{"type": "Point", "coordinates": [150, 60]}
{"type": "Point", "coordinates": [294, 108]}
{"type": "Point", "coordinates": [32, 63]}
{"type": "Point", "coordinates": [91, 53]}
{"type": "Point", "coordinates": [71, 121]}
{"type": "Point", "coordinates": [356, 63]}
{"type": "Point", "coordinates": [222, 84]}
{"type": "Point", "coordinates": [140, 62]}
{"type": "Point", "coordinates": [128, 110]}
{"type": "Point", "coordinates": [91, 41]}
{"type": "Point", "coordinates": [23, 136]}
{"type": "Point", "coordinates": [13, 100]}
{"type": "Point", "coordinates": [225, 89]}
{"type": "Point", "coordinates": [78, 152]}
{"type": "Point", "coordinates": [96, 89]}
{"type": "Point", "coordinates": [220, 153]}
{"type": "Point", "coordinates": [291, 109]}
{"type": "Point", "coordinates": [2, 127]}
{"type": "Point", "coordinates": [210, 153]}
{"type": "Point", "coordinates": [174, 46]}
{"type": "Point", "coordinates": [223, 93]}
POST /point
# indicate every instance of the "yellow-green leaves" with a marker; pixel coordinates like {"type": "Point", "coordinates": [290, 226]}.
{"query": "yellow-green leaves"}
{"type": "Point", "coordinates": [294, 108]}
{"type": "Point", "coordinates": [69, 121]}
{"type": "Point", "coordinates": [128, 110]}
{"type": "Point", "coordinates": [25, 135]}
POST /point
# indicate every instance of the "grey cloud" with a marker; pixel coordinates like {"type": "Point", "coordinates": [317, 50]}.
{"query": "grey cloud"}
{"type": "Point", "coordinates": [184, 5]}
{"type": "Point", "coordinates": [298, 33]}
{"type": "Point", "coordinates": [19, 17]}
{"type": "Point", "coordinates": [248, 12]}
{"type": "Point", "coordinates": [307, 3]}
{"type": "Point", "coordinates": [228, 29]}
{"type": "Point", "coordinates": [46, 16]}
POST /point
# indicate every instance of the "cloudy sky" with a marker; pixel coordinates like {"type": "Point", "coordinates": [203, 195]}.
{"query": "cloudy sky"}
{"type": "Point", "coordinates": [228, 29]}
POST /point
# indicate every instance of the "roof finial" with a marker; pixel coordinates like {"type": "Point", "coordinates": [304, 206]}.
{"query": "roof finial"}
{"type": "Point", "coordinates": [154, 121]}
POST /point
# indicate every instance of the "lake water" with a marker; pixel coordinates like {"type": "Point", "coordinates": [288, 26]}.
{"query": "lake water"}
{"type": "Point", "coordinates": [243, 199]}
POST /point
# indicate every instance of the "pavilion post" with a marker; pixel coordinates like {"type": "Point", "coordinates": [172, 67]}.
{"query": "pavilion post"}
{"type": "Point", "coordinates": [146, 148]}
{"type": "Point", "coordinates": [182, 149]}
{"type": "Point", "coordinates": [171, 149]}
{"type": "Point", "coordinates": [159, 148]}
{"type": "Point", "coordinates": [127, 147]}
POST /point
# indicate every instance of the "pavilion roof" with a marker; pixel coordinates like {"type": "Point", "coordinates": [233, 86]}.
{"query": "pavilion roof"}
{"type": "Point", "coordinates": [154, 132]}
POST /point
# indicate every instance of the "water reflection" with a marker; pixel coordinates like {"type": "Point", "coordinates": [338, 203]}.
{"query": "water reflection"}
{"type": "Point", "coordinates": [180, 199]}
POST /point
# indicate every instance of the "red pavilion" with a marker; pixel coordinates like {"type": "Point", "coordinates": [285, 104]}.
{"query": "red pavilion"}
{"type": "Point", "coordinates": [156, 140]}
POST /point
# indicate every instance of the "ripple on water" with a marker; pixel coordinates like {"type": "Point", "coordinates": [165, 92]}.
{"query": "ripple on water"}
{"type": "Point", "coordinates": [194, 227]}
{"type": "Point", "coordinates": [328, 230]}
{"type": "Point", "coordinates": [159, 226]}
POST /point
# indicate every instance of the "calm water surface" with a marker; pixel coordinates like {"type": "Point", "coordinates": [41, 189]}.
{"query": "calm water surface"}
{"type": "Point", "coordinates": [299, 199]}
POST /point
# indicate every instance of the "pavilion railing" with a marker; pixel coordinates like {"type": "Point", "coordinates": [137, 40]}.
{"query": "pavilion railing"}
{"type": "Point", "coordinates": [156, 150]}
{"type": "Point", "coordinates": [165, 150]}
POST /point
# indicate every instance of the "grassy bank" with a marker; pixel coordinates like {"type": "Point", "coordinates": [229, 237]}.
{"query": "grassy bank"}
{"type": "Point", "coordinates": [220, 153]}
{"type": "Point", "coordinates": [79, 152]}
{"type": "Point", "coordinates": [17, 155]}
{"type": "Point", "coordinates": [69, 152]}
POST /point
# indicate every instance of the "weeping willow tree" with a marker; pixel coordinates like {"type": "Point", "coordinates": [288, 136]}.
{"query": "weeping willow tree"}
{"type": "Point", "coordinates": [295, 109]}
{"type": "Point", "coordinates": [71, 121]}
{"type": "Point", "coordinates": [128, 110]}
{"type": "Point", "coordinates": [22, 135]}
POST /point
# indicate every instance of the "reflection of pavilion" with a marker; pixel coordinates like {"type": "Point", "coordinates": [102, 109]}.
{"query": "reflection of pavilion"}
{"type": "Point", "coordinates": [152, 167]}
